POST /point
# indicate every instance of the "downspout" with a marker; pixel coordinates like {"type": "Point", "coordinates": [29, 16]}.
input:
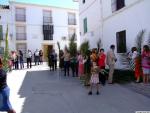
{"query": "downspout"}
{"type": "Point", "coordinates": [101, 18]}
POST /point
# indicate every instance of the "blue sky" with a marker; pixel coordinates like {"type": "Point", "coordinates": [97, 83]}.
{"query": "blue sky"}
{"type": "Point", "coordinates": [59, 3]}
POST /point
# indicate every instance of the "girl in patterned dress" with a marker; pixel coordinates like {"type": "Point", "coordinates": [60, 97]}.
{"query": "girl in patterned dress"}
{"type": "Point", "coordinates": [94, 78]}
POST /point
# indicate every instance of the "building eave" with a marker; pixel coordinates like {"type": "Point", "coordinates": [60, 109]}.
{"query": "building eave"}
{"type": "Point", "coordinates": [38, 5]}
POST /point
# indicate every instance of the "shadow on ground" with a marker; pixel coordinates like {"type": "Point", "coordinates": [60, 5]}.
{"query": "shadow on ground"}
{"type": "Point", "coordinates": [51, 92]}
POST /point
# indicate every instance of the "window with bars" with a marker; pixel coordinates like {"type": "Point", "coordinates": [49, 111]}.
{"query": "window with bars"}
{"type": "Point", "coordinates": [85, 25]}
{"type": "Point", "coordinates": [48, 36]}
{"type": "Point", "coordinates": [47, 17]}
{"type": "Point", "coordinates": [21, 14]}
{"type": "Point", "coordinates": [121, 42]}
{"type": "Point", "coordinates": [20, 33]}
{"type": "Point", "coordinates": [71, 19]}
{"type": "Point", "coordinates": [117, 4]}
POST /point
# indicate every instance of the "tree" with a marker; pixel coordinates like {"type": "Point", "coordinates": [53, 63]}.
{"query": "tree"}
{"type": "Point", "coordinates": [73, 46]}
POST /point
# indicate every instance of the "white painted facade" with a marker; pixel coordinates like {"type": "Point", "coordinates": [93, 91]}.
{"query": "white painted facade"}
{"type": "Point", "coordinates": [103, 23]}
{"type": "Point", "coordinates": [34, 25]}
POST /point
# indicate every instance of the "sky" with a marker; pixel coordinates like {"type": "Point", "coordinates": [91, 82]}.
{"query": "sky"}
{"type": "Point", "coordinates": [57, 3]}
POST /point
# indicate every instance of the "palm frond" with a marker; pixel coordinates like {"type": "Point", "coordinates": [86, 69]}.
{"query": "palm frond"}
{"type": "Point", "coordinates": [73, 46]}
{"type": "Point", "coordinates": [139, 40]}
{"type": "Point", "coordinates": [99, 44]}
{"type": "Point", "coordinates": [84, 48]}
{"type": "Point", "coordinates": [58, 44]}
{"type": "Point", "coordinates": [6, 52]}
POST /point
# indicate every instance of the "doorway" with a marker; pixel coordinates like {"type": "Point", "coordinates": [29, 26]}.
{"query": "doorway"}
{"type": "Point", "coordinates": [46, 49]}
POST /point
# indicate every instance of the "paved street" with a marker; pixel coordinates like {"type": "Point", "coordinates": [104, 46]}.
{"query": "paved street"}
{"type": "Point", "coordinates": [40, 91]}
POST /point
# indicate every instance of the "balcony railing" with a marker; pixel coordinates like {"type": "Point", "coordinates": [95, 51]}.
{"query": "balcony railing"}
{"type": "Point", "coordinates": [21, 36]}
{"type": "Point", "coordinates": [48, 36]}
{"type": "Point", "coordinates": [21, 18]}
{"type": "Point", "coordinates": [71, 21]}
{"type": "Point", "coordinates": [47, 20]}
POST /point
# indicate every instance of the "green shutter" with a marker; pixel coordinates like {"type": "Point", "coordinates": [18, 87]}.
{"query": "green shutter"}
{"type": "Point", "coordinates": [85, 25]}
{"type": "Point", "coordinates": [1, 32]}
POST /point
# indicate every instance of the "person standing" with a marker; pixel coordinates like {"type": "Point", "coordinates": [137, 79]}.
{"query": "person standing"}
{"type": "Point", "coordinates": [146, 63]}
{"type": "Point", "coordinates": [101, 64]}
{"type": "Point", "coordinates": [55, 59]}
{"type": "Point", "coordinates": [29, 59]}
{"type": "Point", "coordinates": [66, 57]}
{"type": "Point", "coordinates": [16, 60]}
{"type": "Point", "coordinates": [41, 56]}
{"type": "Point", "coordinates": [137, 64]}
{"type": "Point", "coordinates": [4, 92]}
{"type": "Point", "coordinates": [81, 65]}
{"type": "Point", "coordinates": [61, 59]}
{"type": "Point", "coordinates": [21, 59]}
{"type": "Point", "coordinates": [36, 57]}
{"type": "Point", "coordinates": [111, 59]}
{"type": "Point", "coordinates": [94, 78]}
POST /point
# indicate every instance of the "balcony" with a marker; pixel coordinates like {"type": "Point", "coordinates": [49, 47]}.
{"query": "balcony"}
{"type": "Point", "coordinates": [21, 18]}
{"type": "Point", "coordinates": [20, 36]}
{"type": "Point", "coordinates": [72, 21]}
{"type": "Point", "coordinates": [48, 36]}
{"type": "Point", "coordinates": [48, 31]}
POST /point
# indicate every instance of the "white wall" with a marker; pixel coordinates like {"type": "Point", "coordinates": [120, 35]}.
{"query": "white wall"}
{"type": "Point", "coordinates": [132, 19]}
{"type": "Point", "coordinates": [4, 21]}
{"type": "Point", "coordinates": [91, 11]}
{"type": "Point", "coordinates": [34, 25]}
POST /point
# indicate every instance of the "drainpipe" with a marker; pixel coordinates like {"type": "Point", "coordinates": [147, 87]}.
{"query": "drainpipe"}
{"type": "Point", "coordinates": [101, 18]}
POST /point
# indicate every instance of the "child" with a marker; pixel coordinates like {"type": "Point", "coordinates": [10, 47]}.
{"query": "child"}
{"type": "Point", "coordinates": [94, 78]}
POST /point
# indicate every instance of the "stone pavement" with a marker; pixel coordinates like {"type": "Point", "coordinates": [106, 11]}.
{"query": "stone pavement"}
{"type": "Point", "coordinates": [141, 88]}
{"type": "Point", "coordinates": [43, 91]}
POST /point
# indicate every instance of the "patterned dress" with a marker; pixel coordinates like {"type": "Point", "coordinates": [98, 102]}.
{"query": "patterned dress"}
{"type": "Point", "coordinates": [95, 75]}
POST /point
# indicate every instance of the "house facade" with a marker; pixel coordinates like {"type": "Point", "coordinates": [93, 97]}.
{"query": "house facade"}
{"type": "Point", "coordinates": [115, 22]}
{"type": "Point", "coordinates": [33, 26]}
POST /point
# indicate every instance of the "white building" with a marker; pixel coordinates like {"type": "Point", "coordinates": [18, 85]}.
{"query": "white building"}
{"type": "Point", "coordinates": [34, 26]}
{"type": "Point", "coordinates": [114, 21]}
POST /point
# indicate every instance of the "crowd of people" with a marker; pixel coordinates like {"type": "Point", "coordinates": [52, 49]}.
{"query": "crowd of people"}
{"type": "Point", "coordinates": [18, 58]}
{"type": "Point", "coordinates": [140, 63]}
{"type": "Point", "coordinates": [93, 65]}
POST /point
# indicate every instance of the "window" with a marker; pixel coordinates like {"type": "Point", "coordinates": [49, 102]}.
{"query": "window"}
{"type": "Point", "coordinates": [121, 42]}
{"type": "Point", "coordinates": [71, 32]}
{"type": "Point", "coordinates": [83, 1]}
{"type": "Point", "coordinates": [20, 14]}
{"type": "Point", "coordinates": [117, 4]}
{"type": "Point", "coordinates": [47, 17]}
{"type": "Point", "coordinates": [85, 25]}
{"type": "Point", "coordinates": [1, 32]}
{"type": "Point", "coordinates": [20, 33]}
{"type": "Point", "coordinates": [71, 19]}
